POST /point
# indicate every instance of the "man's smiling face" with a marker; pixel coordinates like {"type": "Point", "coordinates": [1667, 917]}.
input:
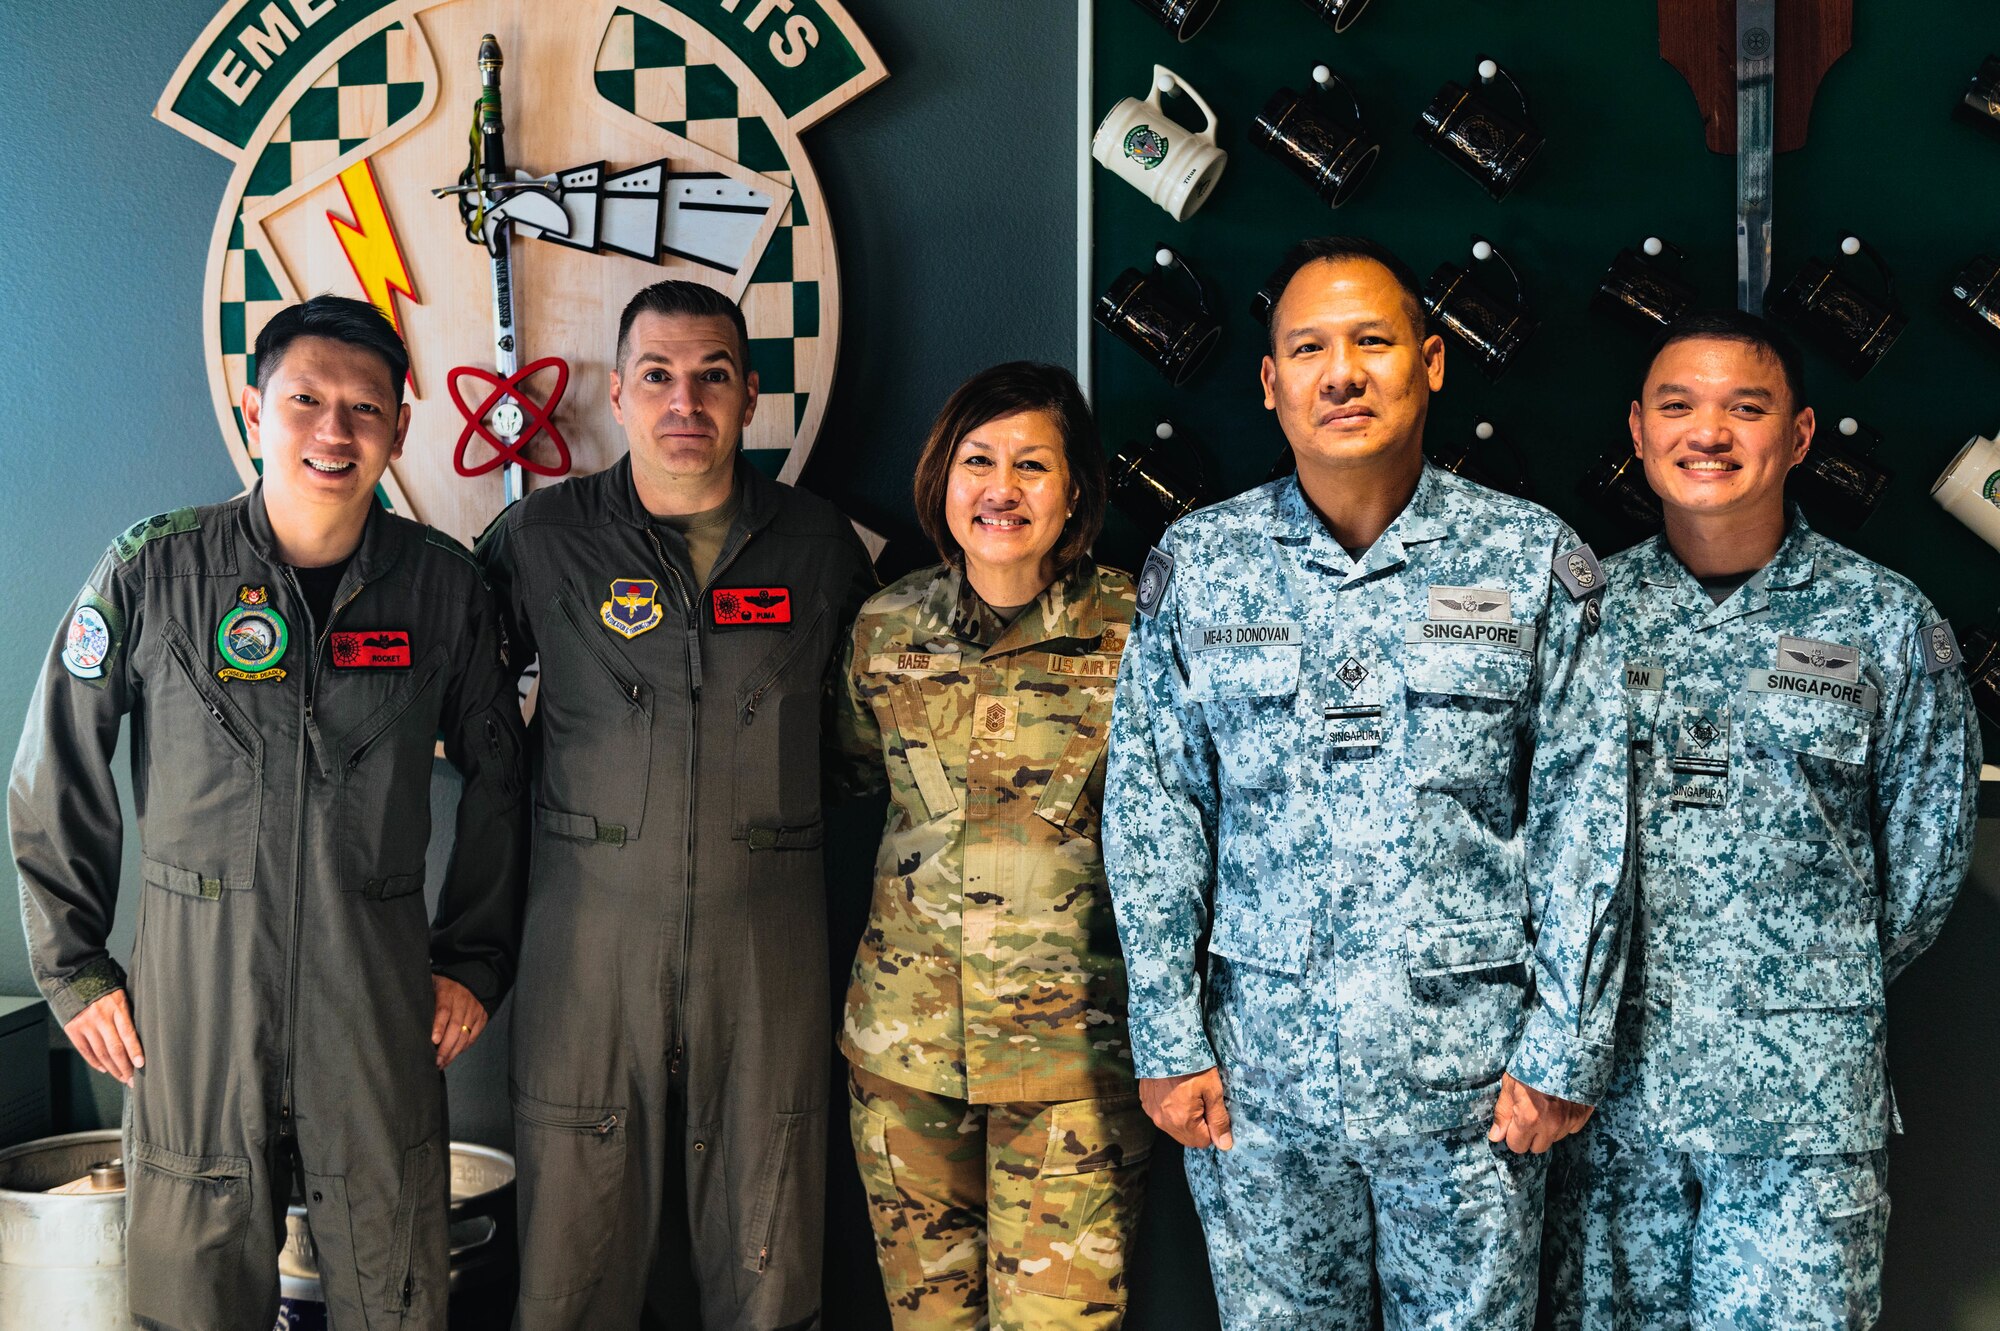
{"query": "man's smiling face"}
{"type": "Point", "coordinates": [1716, 428]}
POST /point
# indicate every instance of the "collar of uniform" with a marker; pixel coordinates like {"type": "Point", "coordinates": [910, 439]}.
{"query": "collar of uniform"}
{"type": "Point", "coordinates": [1791, 567]}
{"type": "Point", "coordinates": [758, 496]}
{"type": "Point", "coordinates": [1422, 519]}
{"type": "Point", "coordinates": [381, 541]}
{"type": "Point", "coordinates": [1067, 608]}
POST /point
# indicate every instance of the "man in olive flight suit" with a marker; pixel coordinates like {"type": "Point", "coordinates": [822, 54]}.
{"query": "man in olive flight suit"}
{"type": "Point", "coordinates": [287, 660]}
{"type": "Point", "coordinates": [1806, 761]}
{"type": "Point", "coordinates": [671, 1038]}
{"type": "Point", "coordinates": [1332, 764]}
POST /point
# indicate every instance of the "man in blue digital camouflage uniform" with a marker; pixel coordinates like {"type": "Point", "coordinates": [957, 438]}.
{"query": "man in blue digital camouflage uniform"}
{"type": "Point", "coordinates": [1366, 913]}
{"type": "Point", "coordinates": [1806, 765]}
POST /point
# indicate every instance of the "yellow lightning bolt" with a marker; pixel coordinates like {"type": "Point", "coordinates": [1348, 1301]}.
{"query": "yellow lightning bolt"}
{"type": "Point", "coordinates": [371, 245]}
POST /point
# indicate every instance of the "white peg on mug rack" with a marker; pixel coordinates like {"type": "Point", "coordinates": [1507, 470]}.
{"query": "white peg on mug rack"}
{"type": "Point", "coordinates": [1163, 256]}
{"type": "Point", "coordinates": [1851, 246]}
{"type": "Point", "coordinates": [1654, 247]}
{"type": "Point", "coordinates": [1164, 430]}
{"type": "Point", "coordinates": [1322, 75]}
{"type": "Point", "coordinates": [1489, 70]}
{"type": "Point", "coordinates": [1482, 250]}
{"type": "Point", "coordinates": [1167, 86]}
{"type": "Point", "coordinates": [1483, 430]}
{"type": "Point", "coordinates": [1848, 425]}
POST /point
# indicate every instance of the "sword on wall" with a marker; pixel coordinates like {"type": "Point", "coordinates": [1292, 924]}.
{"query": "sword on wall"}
{"type": "Point", "coordinates": [1755, 96]}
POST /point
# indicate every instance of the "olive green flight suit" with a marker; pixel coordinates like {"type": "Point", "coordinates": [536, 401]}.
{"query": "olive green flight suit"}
{"type": "Point", "coordinates": [671, 1025]}
{"type": "Point", "coordinates": [281, 977]}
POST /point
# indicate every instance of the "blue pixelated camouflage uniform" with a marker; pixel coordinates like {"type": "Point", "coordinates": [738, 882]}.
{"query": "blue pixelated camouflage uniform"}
{"type": "Point", "coordinates": [1347, 873]}
{"type": "Point", "coordinates": [1806, 764]}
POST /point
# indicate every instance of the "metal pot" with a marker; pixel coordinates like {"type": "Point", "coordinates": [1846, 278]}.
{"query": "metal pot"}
{"type": "Point", "coordinates": [62, 1256]}
{"type": "Point", "coordinates": [482, 1244]}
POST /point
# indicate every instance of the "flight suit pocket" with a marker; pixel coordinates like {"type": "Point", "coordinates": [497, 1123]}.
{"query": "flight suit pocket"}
{"type": "Point", "coordinates": [188, 1218]}
{"type": "Point", "coordinates": [1089, 1188]}
{"type": "Point", "coordinates": [1807, 1032]}
{"type": "Point", "coordinates": [780, 707]}
{"type": "Point", "coordinates": [203, 770]}
{"type": "Point", "coordinates": [572, 1172]}
{"type": "Point", "coordinates": [790, 1189]}
{"type": "Point", "coordinates": [1468, 990]}
{"type": "Point", "coordinates": [185, 882]}
{"type": "Point", "coordinates": [1463, 705]}
{"type": "Point", "coordinates": [384, 773]}
{"type": "Point", "coordinates": [595, 715]}
{"type": "Point", "coordinates": [405, 1271]}
{"type": "Point", "coordinates": [1249, 696]}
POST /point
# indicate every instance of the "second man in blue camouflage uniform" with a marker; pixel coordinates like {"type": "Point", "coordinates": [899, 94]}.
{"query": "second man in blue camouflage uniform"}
{"type": "Point", "coordinates": [1365, 914]}
{"type": "Point", "coordinates": [1806, 766]}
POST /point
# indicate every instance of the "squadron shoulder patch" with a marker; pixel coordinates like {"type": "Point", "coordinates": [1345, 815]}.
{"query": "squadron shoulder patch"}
{"type": "Point", "coordinates": [93, 635]}
{"type": "Point", "coordinates": [1579, 572]}
{"type": "Point", "coordinates": [133, 539]}
{"type": "Point", "coordinates": [1938, 646]}
{"type": "Point", "coordinates": [1154, 575]}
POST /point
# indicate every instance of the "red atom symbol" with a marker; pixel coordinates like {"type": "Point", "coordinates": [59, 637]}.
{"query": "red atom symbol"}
{"type": "Point", "coordinates": [537, 417]}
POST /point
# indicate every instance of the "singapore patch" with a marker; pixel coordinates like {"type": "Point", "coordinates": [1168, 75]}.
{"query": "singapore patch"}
{"type": "Point", "coordinates": [736, 607]}
{"type": "Point", "coordinates": [634, 607]}
{"type": "Point", "coordinates": [372, 649]}
{"type": "Point", "coordinates": [252, 637]}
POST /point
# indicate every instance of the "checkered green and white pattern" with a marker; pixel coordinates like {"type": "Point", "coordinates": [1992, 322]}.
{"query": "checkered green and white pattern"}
{"type": "Point", "coordinates": [367, 91]}
{"type": "Point", "coordinates": [644, 68]}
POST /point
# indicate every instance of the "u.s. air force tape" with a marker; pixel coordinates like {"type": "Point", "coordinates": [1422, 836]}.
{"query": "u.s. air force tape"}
{"type": "Point", "coordinates": [1273, 634]}
{"type": "Point", "coordinates": [1840, 691]}
{"type": "Point", "coordinates": [1154, 575]}
{"type": "Point", "coordinates": [1476, 632]}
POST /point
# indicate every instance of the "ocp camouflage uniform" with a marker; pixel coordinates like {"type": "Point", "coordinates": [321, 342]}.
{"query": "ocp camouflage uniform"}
{"type": "Point", "coordinates": [1807, 769]}
{"type": "Point", "coordinates": [994, 1113]}
{"type": "Point", "coordinates": [1326, 774]}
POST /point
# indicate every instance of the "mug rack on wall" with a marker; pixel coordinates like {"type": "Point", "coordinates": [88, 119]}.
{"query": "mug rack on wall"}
{"type": "Point", "coordinates": [1623, 159]}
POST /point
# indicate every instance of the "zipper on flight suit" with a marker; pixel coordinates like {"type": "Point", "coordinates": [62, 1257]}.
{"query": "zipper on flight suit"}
{"type": "Point", "coordinates": [723, 559]}
{"type": "Point", "coordinates": [298, 833]}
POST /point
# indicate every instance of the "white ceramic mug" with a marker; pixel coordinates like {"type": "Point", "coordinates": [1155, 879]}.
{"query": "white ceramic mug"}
{"type": "Point", "coordinates": [1174, 167]}
{"type": "Point", "coordinates": [1969, 488]}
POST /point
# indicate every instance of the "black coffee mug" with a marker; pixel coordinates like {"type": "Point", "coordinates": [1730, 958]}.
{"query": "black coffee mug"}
{"type": "Point", "coordinates": [1322, 145]}
{"type": "Point", "coordinates": [1642, 293]}
{"type": "Point", "coordinates": [1839, 480]}
{"type": "Point", "coordinates": [1340, 13]}
{"type": "Point", "coordinates": [1477, 457]}
{"type": "Point", "coordinates": [1159, 481]}
{"type": "Point", "coordinates": [1854, 327]}
{"type": "Point", "coordinates": [1488, 144]}
{"type": "Point", "coordinates": [1981, 104]}
{"type": "Point", "coordinates": [1616, 484]}
{"type": "Point", "coordinates": [1183, 18]}
{"type": "Point", "coordinates": [1493, 328]}
{"type": "Point", "coordinates": [1976, 292]}
{"type": "Point", "coordinates": [1980, 650]}
{"type": "Point", "coordinates": [1143, 312]}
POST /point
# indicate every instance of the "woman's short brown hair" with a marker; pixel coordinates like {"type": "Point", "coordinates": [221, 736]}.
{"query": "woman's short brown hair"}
{"type": "Point", "coordinates": [1006, 390]}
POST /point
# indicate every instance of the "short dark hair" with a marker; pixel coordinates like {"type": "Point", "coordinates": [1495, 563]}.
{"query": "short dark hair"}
{"type": "Point", "coordinates": [338, 319]}
{"type": "Point", "coordinates": [1735, 326]}
{"type": "Point", "coordinates": [1006, 390]}
{"type": "Point", "coordinates": [673, 297]}
{"type": "Point", "coordinates": [1323, 249]}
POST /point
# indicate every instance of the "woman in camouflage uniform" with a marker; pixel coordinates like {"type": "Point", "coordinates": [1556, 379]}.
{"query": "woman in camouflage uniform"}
{"type": "Point", "coordinates": [995, 1117]}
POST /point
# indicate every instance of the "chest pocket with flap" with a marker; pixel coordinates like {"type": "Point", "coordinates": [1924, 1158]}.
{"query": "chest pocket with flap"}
{"type": "Point", "coordinates": [1249, 698]}
{"type": "Point", "coordinates": [1463, 711]}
